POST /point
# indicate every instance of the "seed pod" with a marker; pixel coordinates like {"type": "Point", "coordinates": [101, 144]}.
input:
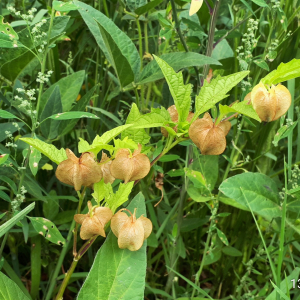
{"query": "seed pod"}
{"type": "Point", "coordinates": [131, 232]}
{"type": "Point", "coordinates": [105, 168]}
{"type": "Point", "coordinates": [93, 223]}
{"type": "Point", "coordinates": [208, 137]}
{"type": "Point", "coordinates": [79, 171]}
{"type": "Point", "coordinates": [270, 105]}
{"type": "Point", "coordinates": [174, 117]}
{"type": "Point", "coordinates": [130, 167]}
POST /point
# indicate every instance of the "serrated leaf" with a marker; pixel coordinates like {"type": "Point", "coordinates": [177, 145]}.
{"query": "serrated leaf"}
{"type": "Point", "coordinates": [215, 91]}
{"type": "Point", "coordinates": [48, 150]}
{"type": "Point", "coordinates": [283, 73]}
{"type": "Point", "coordinates": [15, 219]}
{"type": "Point", "coordinates": [47, 229]}
{"type": "Point", "coordinates": [180, 92]}
{"type": "Point", "coordinates": [139, 135]}
{"type": "Point", "coordinates": [99, 191]}
{"type": "Point", "coordinates": [125, 143]}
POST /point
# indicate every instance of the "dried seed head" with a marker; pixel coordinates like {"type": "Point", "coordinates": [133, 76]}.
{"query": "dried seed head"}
{"type": "Point", "coordinates": [270, 105]}
{"type": "Point", "coordinates": [79, 171]}
{"type": "Point", "coordinates": [105, 168]}
{"type": "Point", "coordinates": [93, 223]}
{"type": "Point", "coordinates": [130, 167]}
{"type": "Point", "coordinates": [174, 117]}
{"type": "Point", "coordinates": [208, 137]}
{"type": "Point", "coordinates": [131, 232]}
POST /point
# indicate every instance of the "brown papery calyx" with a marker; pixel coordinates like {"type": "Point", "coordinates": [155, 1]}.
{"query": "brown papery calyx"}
{"type": "Point", "coordinates": [83, 171]}
{"type": "Point", "coordinates": [130, 231]}
{"type": "Point", "coordinates": [129, 167]}
{"type": "Point", "coordinates": [105, 168]}
{"type": "Point", "coordinates": [208, 137]}
{"type": "Point", "coordinates": [270, 105]}
{"type": "Point", "coordinates": [174, 118]}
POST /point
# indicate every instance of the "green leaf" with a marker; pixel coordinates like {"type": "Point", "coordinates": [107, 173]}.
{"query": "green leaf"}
{"type": "Point", "coordinates": [9, 290]}
{"type": "Point", "coordinates": [196, 177]}
{"type": "Point", "coordinates": [48, 150]}
{"type": "Point", "coordinates": [261, 3]}
{"type": "Point", "coordinates": [231, 251]}
{"type": "Point", "coordinates": [283, 132]}
{"type": "Point", "coordinates": [262, 64]}
{"type": "Point", "coordinates": [3, 158]}
{"type": "Point", "coordinates": [5, 197]}
{"type": "Point", "coordinates": [7, 30]}
{"type": "Point", "coordinates": [107, 113]}
{"type": "Point", "coordinates": [100, 191]}
{"type": "Point", "coordinates": [7, 115]}
{"type": "Point", "coordinates": [118, 60]}
{"type": "Point", "coordinates": [15, 219]}
{"type": "Point", "coordinates": [92, 17]}
{"type": "Point", "coordinates": [64, 6]}
{"type": "Point", "coordinates": [180, 92]}
{"type": "Point", "coordinates": [260, 191]}
{"type": "Point", "coordinates": [222, 51]}
{"type": "Point", "coordinates": [10, 182]}
{"type": "Point", "coordinates": [222, 237]}
{"type": "Point", "coordinates": [134, 4]}
{"type": "Point", "coordinates": [145, 8]}
{"type": "Point", "coordinates": [48, 127]}
{"type": "Point", "coordinates": [69, 88]}
{"type": "Point", "coordinates": [283, 73]}
{"type": "Point", "coordinates": [47, 229]}
{"type": "Point", "coordinates": [116, 273]}
{"type": "Point", "coordinates": [169, 157]}
{"type": "Point", "coordinates": [177, 61]}
{"type": "Point", "coordinates": [34, 158]}
{"type": "Point", "coordinates": [215, 91]}
{"type": "Point", "coordinates": [73, 115]}
{"type": "Point", "coordinates": [8, 42]}
{"type": "Point", "coordinates": [125, 143]}
{"type": "Point", "coordinates": [138, 135]}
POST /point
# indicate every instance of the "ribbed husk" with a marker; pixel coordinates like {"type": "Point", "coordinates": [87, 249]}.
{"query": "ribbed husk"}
{"type": "Point", "coordinates": [93, 225]}
{"type": "Point", "coordinates": [105, 168]}
{"type": "Point", "coordinates": [210, 139]}
{"type": "Point", "coordinates": [79, 171]}
{"type": "Point", "coordinates": [174, 117]}
{"type": "Point", "coordinates": [131, 232]}
{"type": "Point", "coordinates": [270, 105]}
{"type": "Point", "coordinates": [130, 168]}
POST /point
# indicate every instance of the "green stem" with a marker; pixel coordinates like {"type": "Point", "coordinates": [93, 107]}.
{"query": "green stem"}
{"type": "Point", "coordinates": [291, 87]}
{"type": "Point", "coordinates": [36, 264]}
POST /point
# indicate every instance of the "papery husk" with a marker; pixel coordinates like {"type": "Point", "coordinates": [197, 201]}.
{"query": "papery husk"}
{"type": "Point", "coordinates": [209, 138]}
{"type": "Point", "coordinates": [174, 118]}
{"type": "Point", "coordinates": [117, 221]}
{"type": "Point", "coordinates": [79, 171]}
{"type": "Point", "coordinates": [105, 168]}
{"type": "Point", "coordinates": [270, 105]}
{"type": "Point", "coordinates": [130, 168]}
{"type": "Point", "coordinates": [93, 225]}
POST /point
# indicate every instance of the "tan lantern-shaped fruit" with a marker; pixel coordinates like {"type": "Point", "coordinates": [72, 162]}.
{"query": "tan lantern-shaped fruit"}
{"type": "Point", "coordinates": [130, 167]}
{"type": "Point", "coordinates": [93, 223]}
{"type": "Point", "coordinates": [130, 231]}
{"type": "Point", "coordinates": [208, 137]}
{"type": "Point", "coordinates": [79, 171]}
{"type": "Point", "coordinates": [105, 168]}
{"type": "Point", "coordinates": [270, 105]}
{"type": "Point", "coordinates": [174, 117]}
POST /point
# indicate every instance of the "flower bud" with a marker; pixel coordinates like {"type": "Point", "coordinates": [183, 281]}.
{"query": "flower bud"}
{"type": "Point", "coordinates": [130, 167]}
{"type": "Point", "coordinates": [79, 171]}
{"type": "Point", "coordinates": [93, 223]}
{"type": "Point", "coordinates": [270, 105]}
{"type": "Point", "coordinates": [105, 168]}
{"type": "Point", "coordinates": [131, 232]}
{"type": "Point", "coordinates": [208, 137]}
{"type": "Point", "coordinates": [174, 117]}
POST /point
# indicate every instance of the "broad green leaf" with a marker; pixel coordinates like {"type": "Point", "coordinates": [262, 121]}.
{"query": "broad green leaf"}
{"type": "Point", "coordinates": [177, 61]}
{"type": "Point", "coordinates": [49, 127]}
{"type": "Point", "coordinates": [7, 115]}
{"type": "Point", "coordinates": [8, 127]}
{"type": "Point", "coordinates": [169, 157]}
{"type": "Point", "coordinates": [260, 191]}
{"type": "Point", "coordinates": [64, 6]}
{"type": "Point", "coordinates": [119, 62]}
{"type": "Point", "coordinates": [134, 4]}
{"type": "Point", "coordinates": [180, 92]}
{"type": "Point", "coordinates": [175, 173]}
{"type": "Point", "coordinates": [262, 64]}
{"type": "Point", "coordinates": [3, 158]}
{"type": "Point", "coordinates": [69, 88]}
{"type": "Point", "coordinates": [15, 219]}
{"type": "Point", "coordinates": [283, 132]}
{"type": "Point", "coordinates": [9, 289]}
{"type": "Point", "coordinates": [261, 3]}
{"type": "Point", "coordinates": [13, 62]}
{"type": "Point", "coordinates": [117, 274]}
{"type": "Point", "coordinates": [47, 229]}
{"type": "Point", "coordinates": [196, 177]}
{"type": "Point", "coordinates": [138, 135]}
{"type": "Point", "coordinates": [125, 143]}
{"type": "Point", "coordinates": [73, 115]}
{"type": "Point", "coordinates": [145, 8]}
{"type": "Point", "coordinates": [7, 30]}
{"type": "Point", "coordinates": [215, 91]}
{"type": "Point", "coordinates": [48, 150]}
{"type": "Point", "coordinates": [222, 237]}
{"type": "Point", "coordinates": [34, 158]}
{"type": "Point", "coordinates": [92, 17]}
{"type": "Point", "coordinates": [68, 125]}
{"type": "Point", "coordinates": [8, 42]}
{"type": "Point", "coordinates": [99, 191]}
{"type": "Point", "coordinates": [283, 73]}
{"type": "Point", "coordinates": [222, 51]}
